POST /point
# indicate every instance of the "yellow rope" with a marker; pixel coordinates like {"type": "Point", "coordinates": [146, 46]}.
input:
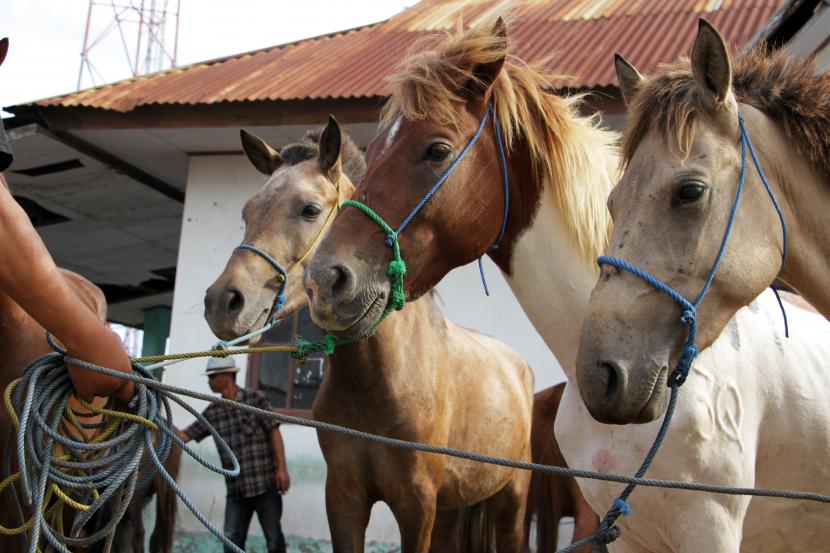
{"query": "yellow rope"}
{"type": "Point", "coordinates": [214, 353]}
{"type": "Point", "coordinates": [118, 414]}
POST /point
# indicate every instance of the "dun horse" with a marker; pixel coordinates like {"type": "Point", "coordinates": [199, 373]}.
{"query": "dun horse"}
{"type": "Point", "coordinates": [682, 151]}
{"type": "Point", "coordinates": [419, 377]}
{"type": "Point", "coordinates": [742, 417]}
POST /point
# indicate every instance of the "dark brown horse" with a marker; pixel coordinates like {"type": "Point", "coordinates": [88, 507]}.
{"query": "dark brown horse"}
{"type": "Point", "coordinates": [552, 497]}
{"type": "Point", "coordinates": [129, 535]}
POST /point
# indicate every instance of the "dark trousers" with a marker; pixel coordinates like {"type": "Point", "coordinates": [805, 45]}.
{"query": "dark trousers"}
{"type": "Point", "coordinates": [268, 507]}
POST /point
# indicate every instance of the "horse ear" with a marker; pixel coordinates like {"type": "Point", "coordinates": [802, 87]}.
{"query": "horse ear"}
{"type": "Point", "coordinates": [4, 49]}
{"type": "Point", "coordinates": [710, 61]}
{"type": "Point", "coordinates": [265, 158]}
{"type": "Point", "coordinates": [485, 74]}
{"type": "Point", "coordinates": [628, 76]}
{"type": "Point", "coordinates": [330, 150]}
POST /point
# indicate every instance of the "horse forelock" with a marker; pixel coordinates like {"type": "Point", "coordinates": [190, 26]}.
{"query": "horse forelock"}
{"type": "Point", "coordinates": [308, 147]}
{"type": "Point", "coordinates": [569, 153]}
{"type": "Point", "coordinates": [780, 85]}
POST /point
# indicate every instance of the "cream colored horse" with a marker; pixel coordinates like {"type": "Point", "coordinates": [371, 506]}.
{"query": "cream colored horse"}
{"type": "Point", "coordinates": [420, 377]}
{"type": "Point", "coordinates": [755, 409]}
{"type": "Point", "coordinates": [683, 156]}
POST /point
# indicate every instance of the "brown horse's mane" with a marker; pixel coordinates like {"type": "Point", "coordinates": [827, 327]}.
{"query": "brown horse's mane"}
{"type": "Point", "coordinates": [431, 84]}
{"type": "Point", "coordinates": [782, 86]}
{"type": "Point", "coordinates": [308, 147]}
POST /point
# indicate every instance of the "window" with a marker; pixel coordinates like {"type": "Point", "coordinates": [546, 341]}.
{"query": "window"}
{"type": "Point", "coordinates": [288, 385]}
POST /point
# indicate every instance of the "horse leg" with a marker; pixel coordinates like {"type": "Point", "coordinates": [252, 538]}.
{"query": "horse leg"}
{"type": "Point", "coordinates": [586, 521]}
{"type": "Point", "coordinates": [415, 512]}
{"type": "Point", "coordinates": [714, 525]}
{"type": "Point", "coordinates": [508, 509]}
{"type": "Point", "coordinates": [137, 523]}
{"type": "Point", "coordinates": [347, 510]}
{"type": "Point", "coordinates": [444, 537]}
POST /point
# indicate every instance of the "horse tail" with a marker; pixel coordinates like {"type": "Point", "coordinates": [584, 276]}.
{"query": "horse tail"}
{"type": "Point", "coordinates": [476, 530]}
{"type": "Point", "coordinates": [548, 493]}
{"type": "Point", "coordinates": [162, 538]}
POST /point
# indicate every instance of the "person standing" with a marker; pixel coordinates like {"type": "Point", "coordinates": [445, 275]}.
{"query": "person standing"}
{"type": "Point", "coordinates": [257, 444]}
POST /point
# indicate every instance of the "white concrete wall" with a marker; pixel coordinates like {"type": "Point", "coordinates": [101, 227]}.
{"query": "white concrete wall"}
{"type": "Point", "coordinates": [216, 190]}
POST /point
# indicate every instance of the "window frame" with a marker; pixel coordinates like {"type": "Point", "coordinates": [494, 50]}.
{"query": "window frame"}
{"type": "Point", "coordinates": [252, 380]}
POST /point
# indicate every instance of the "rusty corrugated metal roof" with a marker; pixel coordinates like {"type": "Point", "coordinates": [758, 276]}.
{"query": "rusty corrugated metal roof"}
{"type": "Point", "coordinates": [583, 34]}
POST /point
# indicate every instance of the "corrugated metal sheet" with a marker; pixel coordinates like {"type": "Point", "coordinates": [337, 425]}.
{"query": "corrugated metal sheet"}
{"type": "Point", "coordinates": [582, 33]}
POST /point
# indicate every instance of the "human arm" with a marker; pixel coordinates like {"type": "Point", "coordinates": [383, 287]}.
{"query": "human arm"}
{"type": "Point", "coordinates": [196, 431]}
{"type": "Point", "coordinates": [283, 480]}
{"type": "Point", "coordinates": [32, 280]}
{"type": "Point", "coordinates": [182, 436]}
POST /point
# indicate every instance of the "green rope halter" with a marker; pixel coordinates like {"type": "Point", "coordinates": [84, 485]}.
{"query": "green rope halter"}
{"type": "Point", "coordinates": [396, 272]}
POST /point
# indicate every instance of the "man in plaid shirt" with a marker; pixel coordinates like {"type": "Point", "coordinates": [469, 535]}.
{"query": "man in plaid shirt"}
{"type": "Point", "coordinates": [258, 446]}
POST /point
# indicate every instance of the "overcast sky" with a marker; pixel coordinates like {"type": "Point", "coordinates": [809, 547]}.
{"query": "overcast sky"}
{"type": "Point", "coordinates": [46, 36]}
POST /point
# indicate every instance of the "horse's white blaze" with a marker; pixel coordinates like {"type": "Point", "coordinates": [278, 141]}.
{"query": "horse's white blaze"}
{"type": "Point", "coordinates": [391, 133]}
{"type": "Point", "coordinates": [753, 413]}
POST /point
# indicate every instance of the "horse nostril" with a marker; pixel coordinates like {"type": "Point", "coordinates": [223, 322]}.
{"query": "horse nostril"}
{"type": "Point", "coordinates": [612, 378]}
{"type": "Point", "coordinates": [235, 301]}
{"type": "Point", "coordinates": [342, 278]}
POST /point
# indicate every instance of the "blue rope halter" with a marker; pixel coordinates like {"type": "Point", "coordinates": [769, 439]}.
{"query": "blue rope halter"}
{"type": "Point", "coordinates": [608, 532]}
{"type": "Point", "coordinates": [503, 162]}
{"type": "Point", "coordinates": [689, 309]}
{"type": "Point", "coordinates": [282, 277]}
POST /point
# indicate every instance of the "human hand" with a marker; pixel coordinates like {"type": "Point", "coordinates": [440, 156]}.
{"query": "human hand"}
{"type": "Point", "coordinates": [283, 481]}
{"type": "Point", "coordinates": [102, 347]}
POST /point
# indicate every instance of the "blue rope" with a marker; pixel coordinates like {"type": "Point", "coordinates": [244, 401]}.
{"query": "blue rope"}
{"type": "Point", "coordinates": [279, 301]}
{"type": "Point", "coordinates": [503, 159]}
{"type": "Point", "coordinates": [506, 184]}
{"type": "Point", "coordinates": [608, 532]}
{"type": "Point", "coordinates": [445, 176]}
{"type": "Point", "coordinates": [745, 138]}
{"type": "Point", "coordinates": [783, 312]}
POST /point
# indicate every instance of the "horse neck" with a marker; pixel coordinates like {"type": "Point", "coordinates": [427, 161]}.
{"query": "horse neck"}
{"type": "Point", "coordinates": [384, 360]}
{"type": "Point", "coordinates": [549, 274]}
{"type": "Point", "coordinates": [803, 192]}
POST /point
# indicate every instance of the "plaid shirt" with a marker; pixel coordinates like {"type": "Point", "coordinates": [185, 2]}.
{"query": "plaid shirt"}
{"type": "Point", "coordinates": [249, 437]}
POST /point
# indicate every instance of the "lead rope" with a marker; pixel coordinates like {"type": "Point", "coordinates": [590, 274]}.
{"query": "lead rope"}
{"type": "Point", "coordinates": [608, 532]}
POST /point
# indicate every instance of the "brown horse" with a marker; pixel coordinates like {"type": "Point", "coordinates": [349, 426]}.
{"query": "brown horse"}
{"type": "Point", "coordinates": [550, 496]}
{"type": "Point", "coordinates": [419, 377]}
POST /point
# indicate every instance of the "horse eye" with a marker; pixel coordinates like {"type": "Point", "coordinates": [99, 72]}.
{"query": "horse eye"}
{"type": "Point", "coordinates": [688, 193]}
{"type": "Point", "coordinates": [438, 151]}
{"type": "Point", "coordinates": [311, 211]}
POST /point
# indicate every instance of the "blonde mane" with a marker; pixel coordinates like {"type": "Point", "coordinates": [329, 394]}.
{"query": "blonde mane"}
{"type": "Point", "coordinates": [570, 154]}
{"type": "Point", "coordinates": [784, 87]}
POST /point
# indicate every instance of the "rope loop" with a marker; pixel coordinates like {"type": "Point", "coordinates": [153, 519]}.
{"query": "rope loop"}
{"type": "Point", "coordinates": [305, 347]}
{"type": "Point", "coordinates": [608, 534]}
{"type": "Point", "coordinates": [689, 315]}
{"type": "Point", "coordinates": [390, 239]}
